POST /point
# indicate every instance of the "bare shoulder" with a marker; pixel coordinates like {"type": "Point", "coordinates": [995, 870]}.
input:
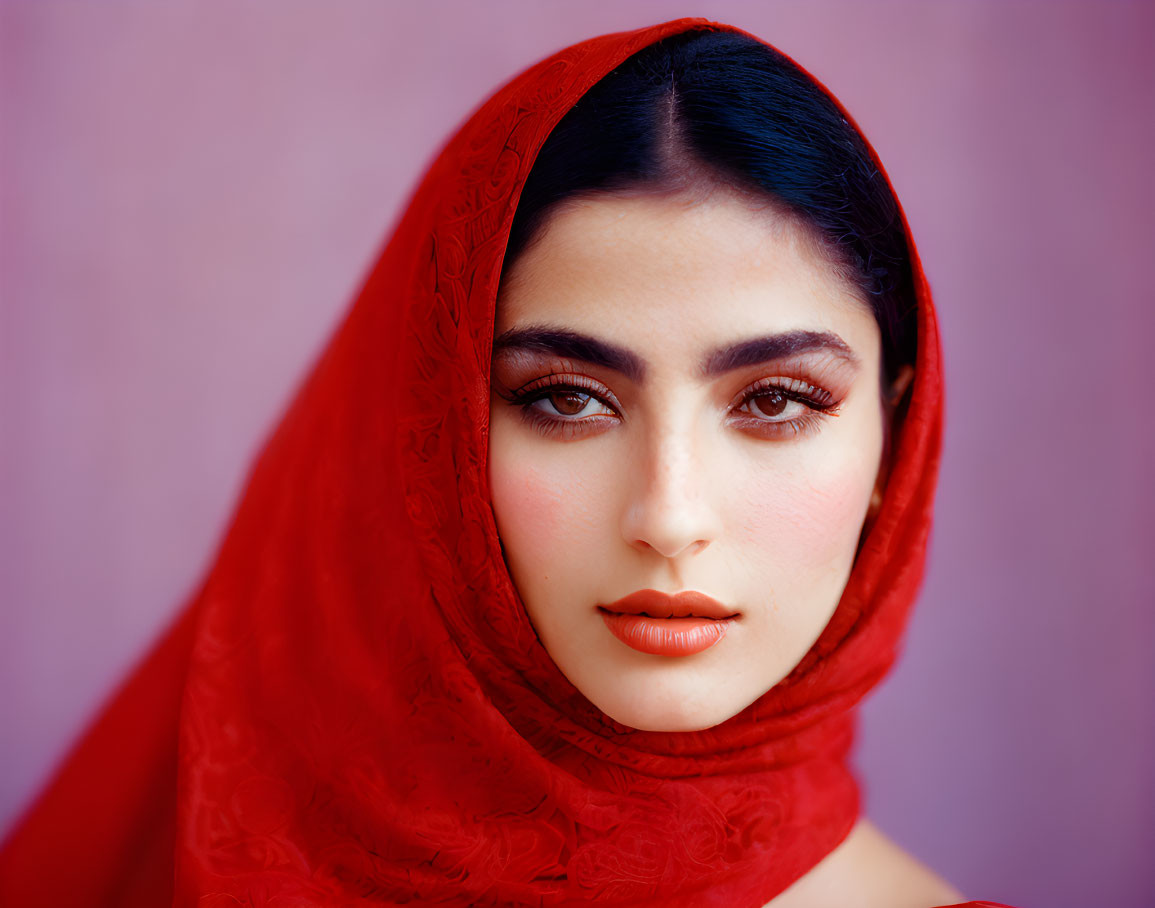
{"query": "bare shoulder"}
{"type": "Point", "coordinates": [897, 876]}
{"type": "Point", "coordinates": [868, 870]}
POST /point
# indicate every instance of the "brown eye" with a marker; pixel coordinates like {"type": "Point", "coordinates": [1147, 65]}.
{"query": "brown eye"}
{"type": "Point", "coordinates": [772, 403]}
{"type": "Point", "coordinates": [569, 403]}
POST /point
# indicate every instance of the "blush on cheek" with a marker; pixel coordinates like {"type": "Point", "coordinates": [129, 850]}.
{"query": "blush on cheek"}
{"type": "Point", "coordinates": [806, 515]}
{"type": "Point", "coordinates": [528, 509]}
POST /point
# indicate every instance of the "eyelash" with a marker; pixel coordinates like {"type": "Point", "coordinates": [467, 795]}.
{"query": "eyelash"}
{"type": "Point", "coordinates": [819, 402]}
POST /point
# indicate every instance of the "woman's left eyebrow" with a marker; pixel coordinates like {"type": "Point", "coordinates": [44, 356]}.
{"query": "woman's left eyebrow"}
{"type": "Point", "coordinates": [574, 345]}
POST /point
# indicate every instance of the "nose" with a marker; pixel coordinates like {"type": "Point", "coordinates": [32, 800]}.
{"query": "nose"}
{"type": "Point", "coordinates": [670, 506]}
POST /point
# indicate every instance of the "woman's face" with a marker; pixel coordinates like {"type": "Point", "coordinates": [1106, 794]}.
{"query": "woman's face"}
{"type": "Point", "coordinates": [685, 398]}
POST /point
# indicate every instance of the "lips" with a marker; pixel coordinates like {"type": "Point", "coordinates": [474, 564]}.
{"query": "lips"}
{"type": "Point", "coordinates": [657, 604]}
{"type": "Point", "coordinates": [659, 624]}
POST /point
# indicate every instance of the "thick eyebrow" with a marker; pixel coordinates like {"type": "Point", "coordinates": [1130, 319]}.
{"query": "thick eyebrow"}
{"type": "Point", "coordinates": [572, 345]}
{"type": "Point", "coordinates": [773, 347]}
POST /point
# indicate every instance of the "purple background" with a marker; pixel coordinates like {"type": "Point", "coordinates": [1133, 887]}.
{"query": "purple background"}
{"type": "Point", "coordinates": [191, 193]}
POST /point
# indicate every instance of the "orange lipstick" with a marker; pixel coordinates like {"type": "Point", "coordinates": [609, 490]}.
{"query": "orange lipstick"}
{"type": "Point", "coordinates": [659, 624]}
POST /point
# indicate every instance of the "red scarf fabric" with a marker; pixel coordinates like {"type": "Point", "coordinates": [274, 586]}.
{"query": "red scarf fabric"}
{"type": "Point", "coordinates": [355, 709]}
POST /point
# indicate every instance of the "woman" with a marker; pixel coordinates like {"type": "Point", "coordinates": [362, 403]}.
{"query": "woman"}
{"type": "Point", "coordinates": [561, 578]}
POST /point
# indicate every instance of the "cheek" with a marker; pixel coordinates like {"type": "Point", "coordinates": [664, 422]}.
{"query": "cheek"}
{"type": "Point", "coordinates": [526, 506]}
{"type": "Point", "coordinates": [809, 516]}
{"type": "Point", "coordinates": [805, 510]}
{"type": "Point", "coordinates": [547, 516]}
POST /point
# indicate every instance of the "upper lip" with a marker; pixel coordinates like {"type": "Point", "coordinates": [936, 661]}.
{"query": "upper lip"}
{"type": "Point", "coordinates": [657, 604]}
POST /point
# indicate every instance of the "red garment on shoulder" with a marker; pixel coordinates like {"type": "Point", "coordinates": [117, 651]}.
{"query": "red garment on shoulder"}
{"type": "Point", "coordinates": [355, 710]}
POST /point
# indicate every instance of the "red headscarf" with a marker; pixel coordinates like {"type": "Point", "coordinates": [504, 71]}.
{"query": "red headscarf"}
{"type": "Point", "coordinates": [355, 709]}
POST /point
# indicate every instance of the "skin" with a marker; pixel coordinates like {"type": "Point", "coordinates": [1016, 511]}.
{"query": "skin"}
{"type": "Point", "coordinates": [868, 870]}
{"type": "Point", "coordinates": [675, 480]}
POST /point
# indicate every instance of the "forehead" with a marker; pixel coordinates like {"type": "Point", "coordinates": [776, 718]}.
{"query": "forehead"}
{"type": "Point", "coordinates": [673, 273]}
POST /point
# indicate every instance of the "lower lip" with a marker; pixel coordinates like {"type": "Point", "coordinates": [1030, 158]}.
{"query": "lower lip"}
{"type": "Point", "coordinates": [666, 636]}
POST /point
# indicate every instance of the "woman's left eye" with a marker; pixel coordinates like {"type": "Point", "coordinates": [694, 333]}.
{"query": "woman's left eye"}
{"type": "Point", "coordinates": [775, 405]}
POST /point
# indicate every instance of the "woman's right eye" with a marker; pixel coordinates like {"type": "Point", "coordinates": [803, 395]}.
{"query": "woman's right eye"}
{"type": "Point", "coordinates": [563, 411]}
{"type": "Point", "coordinates": [568, 403]}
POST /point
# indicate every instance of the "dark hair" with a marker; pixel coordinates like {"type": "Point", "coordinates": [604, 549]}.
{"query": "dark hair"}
{"type": "Point", "coordinates": [723, 107]}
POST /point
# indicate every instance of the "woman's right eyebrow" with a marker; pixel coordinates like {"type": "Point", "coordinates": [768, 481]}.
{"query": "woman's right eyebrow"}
{"type": "Point", "coordinates": [568, 344]}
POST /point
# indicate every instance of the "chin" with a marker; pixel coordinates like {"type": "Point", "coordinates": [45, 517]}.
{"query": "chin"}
{"type": "Point", "coordinates": [666, 710]}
